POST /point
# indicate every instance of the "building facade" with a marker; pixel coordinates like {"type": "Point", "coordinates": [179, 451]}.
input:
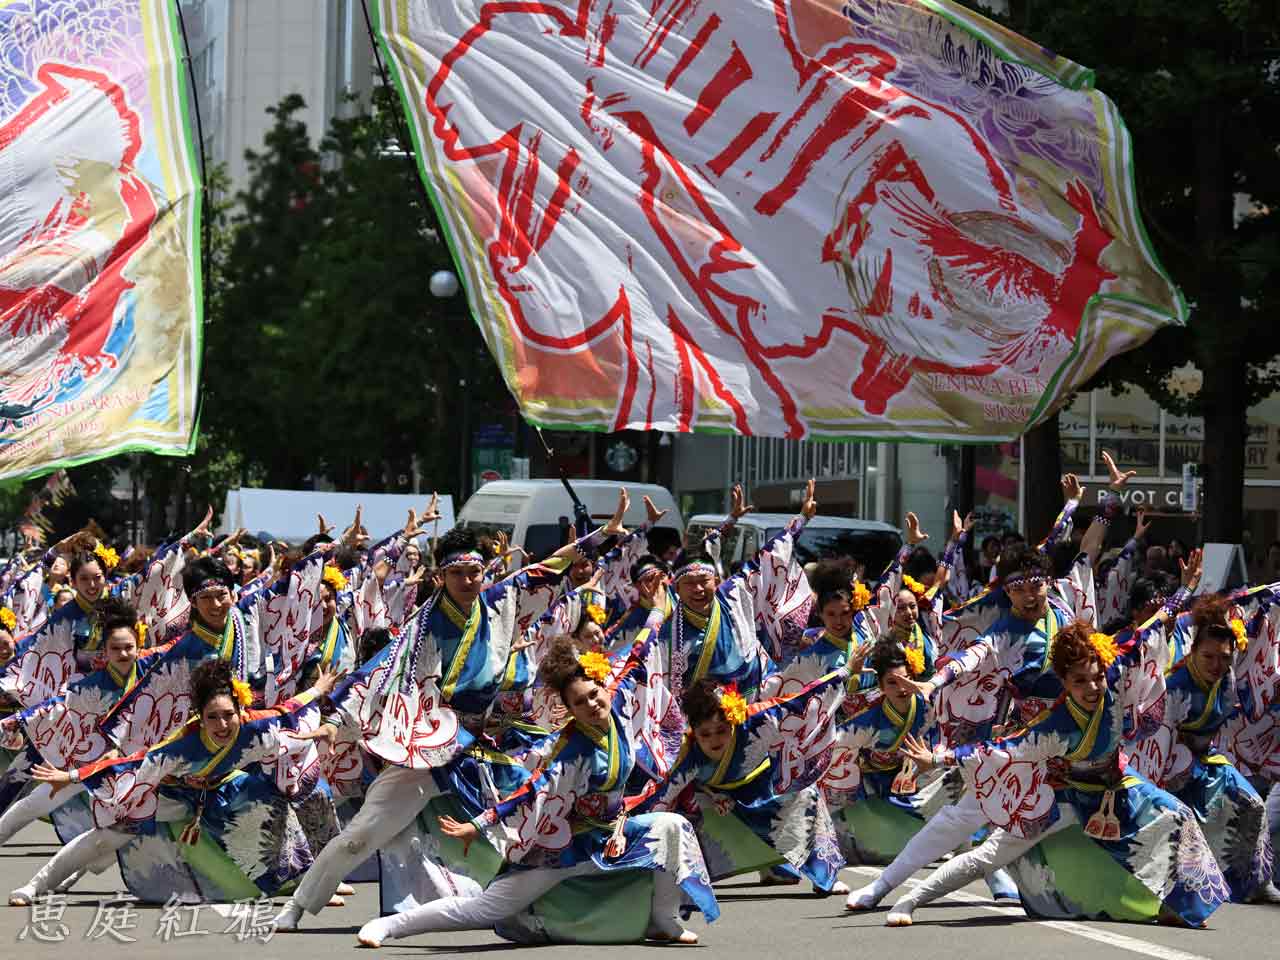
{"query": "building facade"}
{"type": "Point", "coordinates": [881, 481]}
{"type": "Point", "coordinates": [246, 55]}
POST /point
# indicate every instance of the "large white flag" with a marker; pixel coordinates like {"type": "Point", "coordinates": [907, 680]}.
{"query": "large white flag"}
{"type": "Point", "coordinates": [780, 217]}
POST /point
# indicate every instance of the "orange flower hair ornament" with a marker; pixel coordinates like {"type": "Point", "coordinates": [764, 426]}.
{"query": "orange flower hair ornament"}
{"type": "Point", "coordinates": [1105, 647]}
{"type": "Point", "coordinates": [108, 556]}
{"type": "Point", "coordinates": [140, 630]}
{"type": "Point", "coordinates": [1238, 628]}
{"type": "Point", "coordinates": [733, 704]}
{"type": "Point", "coordinates": [861, 596]}
{"type": "Point", "coordinates": [914, 585]}
{"type": "Point", "coordinates": [334, 578]}
{"type": "Point", "coordinates": [8, 619]}
{"type": "Point", "coordinates": [597, 613]}
{"type": "Point", "coordinates": [915, 661]}
{"type": "Point", "coordinates": [243, 695]}
{"type": "Point", "coordinates": [595, 665]}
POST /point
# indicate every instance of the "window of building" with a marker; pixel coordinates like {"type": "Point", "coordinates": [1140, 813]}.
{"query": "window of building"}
{"type": "Point", "coordinates": [1126, 425]}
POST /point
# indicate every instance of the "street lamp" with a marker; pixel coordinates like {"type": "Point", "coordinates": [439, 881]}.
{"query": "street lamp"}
{"type": "Point", "coordinates": [444, 284]}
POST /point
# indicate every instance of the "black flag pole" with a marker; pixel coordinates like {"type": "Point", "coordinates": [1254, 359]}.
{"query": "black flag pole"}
{"type": "Point", "coordinates": [581, 515]}
{"type": "Point", "coordinates": [205, 225]}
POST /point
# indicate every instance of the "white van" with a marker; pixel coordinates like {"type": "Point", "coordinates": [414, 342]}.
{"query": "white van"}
{"type": "Point", "coordinates": [534, 514]}
{"type": "Point", "coordinates": [867, 541]}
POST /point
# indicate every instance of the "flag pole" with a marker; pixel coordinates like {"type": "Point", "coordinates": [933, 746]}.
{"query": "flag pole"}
{"type": "Point", "coordinates": [205, 225]}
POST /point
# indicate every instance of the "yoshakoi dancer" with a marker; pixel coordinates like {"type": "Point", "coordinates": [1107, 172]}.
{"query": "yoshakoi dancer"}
{"type": "Point", "coordinates": [570, 821]}
{"type": "Point", "coordinates": [1158, 864]}
{"type": "Point", "coordinates": [62, 648]}
{"type": "Point", "coordinates": [63, 730]}
{"type": "Point", "coordinates": [196, 777]}
{"type": "Point", "coordinates": [418, 704]}
{"type": "Point", "coordinates": [712, 634]}
{"type": "Point", "coordinates": [878, 798]}
{"type": "Point", "coordinates": [730, 754]}
{"type": "Point", "coordinates": [1201, 698]}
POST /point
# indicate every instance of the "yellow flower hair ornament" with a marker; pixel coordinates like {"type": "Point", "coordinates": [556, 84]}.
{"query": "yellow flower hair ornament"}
{"type": "Point", "coordinates": [334, 578]}
{"type": "Point", "coordinates": [8, 619]}
{"type": "Point", "coordinates": [108, 556]}
{"type": "Point", "coordinates": [1105, 647]}
{"type": "Point", "coordinates": [597, 613]}
{"type": "Point", "coordinates": [915, 661]}
{"type": "Point", "coordinates": [595, 665]}
{"type": "Point", "coordinates": [733, 704]}
{"type": "Point", "coordinates": [861, 596]}
{"type": "Point", "coordinates": [914, 585]}
{"type": "Point", "coordinates": [140, 630]}
{"type": "Point", "coordinates": [1237, 627]}
{"type": "Point", "coordinates": [243, 695]}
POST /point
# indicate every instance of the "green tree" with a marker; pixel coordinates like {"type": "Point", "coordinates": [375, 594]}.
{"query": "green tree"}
{"type": "Point", "coordinates": [1199, 88]}
{"type": "Point", "coordinates": [328, 356]}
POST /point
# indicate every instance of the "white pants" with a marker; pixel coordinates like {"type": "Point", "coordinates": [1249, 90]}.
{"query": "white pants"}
{"type": "Point", "coordinates": [513, 892]}
{"type": "Point", "coordinates": [36, 804]}
{"type": "Point", "coordinates": [998, 850]}
{"type": "Point", "coordinates": [89, 849]}
{"type": "Point", "coordinates": [943, 832]}
{"type": "Point", "coordinates": [395, 797]}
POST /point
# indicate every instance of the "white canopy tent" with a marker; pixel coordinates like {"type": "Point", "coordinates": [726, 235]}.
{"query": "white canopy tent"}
{"type": "Point", "coordinates": [290, 515]}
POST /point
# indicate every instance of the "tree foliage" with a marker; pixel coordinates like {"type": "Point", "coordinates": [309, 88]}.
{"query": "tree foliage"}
{"type": "Point", "coordinates": [328, 356]}
{"type": "Point", "coordinates": [1199, 87]}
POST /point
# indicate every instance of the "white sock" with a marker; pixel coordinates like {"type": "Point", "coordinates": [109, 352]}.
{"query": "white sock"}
{"type": "Point", "coordinates": [27, 892]}
{"type": "Point", "coordinates": [900, 915]}
{"type": "Point", "coordinates": [864, 898]}
{"type": "Point", "coordinates": [289, 916]}
{"type": "Point", "coordinates": [375, 931]}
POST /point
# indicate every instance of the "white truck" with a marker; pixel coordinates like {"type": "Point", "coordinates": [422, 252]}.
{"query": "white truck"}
{"type": "Point", "coordinates": [536, 514]}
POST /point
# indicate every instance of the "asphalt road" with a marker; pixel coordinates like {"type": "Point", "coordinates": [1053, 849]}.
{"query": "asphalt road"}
{"type": "Point", "coordinates": [755, 922]}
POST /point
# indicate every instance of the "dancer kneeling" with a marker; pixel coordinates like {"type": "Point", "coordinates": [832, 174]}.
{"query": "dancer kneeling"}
{"type": "Point", "coordinates": [1159, 865]}
{"type": "Point", "coordinates": [570, 819]}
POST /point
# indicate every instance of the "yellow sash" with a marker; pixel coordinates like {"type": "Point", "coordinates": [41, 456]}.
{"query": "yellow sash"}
{"type": "Point", "coordinates": [223, 643]}
{"type": "Point", "coordinates": [125, 683]}
{"type": "Point", "coordinates": [1211, 698]}
{"type": "Point", "coordinates": [710, 637]}
{"type": "Point", "coordinates": [606, 740]}
{"type": "Point", "coordinates": [904, 724]}
{"type": "Point", "coordinates": [1051, 626]}
{"type": "Point", "coordinates": [330, 644]}
{"type": "Point", "coordinates": [469, 629]}
{"type": "Point", "coordinates": [1089, 724]}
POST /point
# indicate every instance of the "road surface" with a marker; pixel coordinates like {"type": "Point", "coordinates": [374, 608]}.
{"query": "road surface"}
{"type": "Point", "coordinates": [755, 922]}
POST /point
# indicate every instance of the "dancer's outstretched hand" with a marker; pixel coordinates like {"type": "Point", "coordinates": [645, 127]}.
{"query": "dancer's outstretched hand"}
{"type": "Point", "coordinates": [917, 750]}
{"type": "Point", "coordinates": [326, 733]}
{"type": "Point", "coordinates": [466, 832]}
{"type": "Point", "coordinates": [44, 773]}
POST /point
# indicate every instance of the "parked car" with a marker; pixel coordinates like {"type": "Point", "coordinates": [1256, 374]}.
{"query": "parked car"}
{"type": "Point", "coordinates": [867, 541]}
{"type": "Point", "coordinates": [535, 514]}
